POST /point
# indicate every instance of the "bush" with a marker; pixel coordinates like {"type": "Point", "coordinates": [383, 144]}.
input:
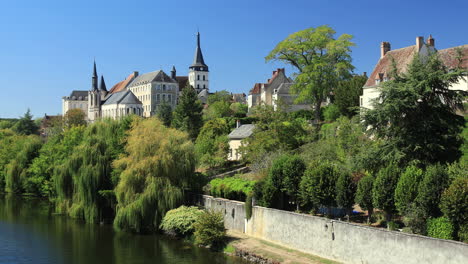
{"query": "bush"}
{"type": "Point", "coordinates": [454, 203]}
{"type": "Point", "coordinates": [345, 192]}
{"type": "Point", "coordinates": [231, 188]}
{"type": "Point", "coordinates": [431, 188]}
{"type": "Point", "coordinates": [209, 229]}
{"type": "Point", "coordinates": [364, 194]}
{"type": "Point", "coordinates": [331, 113]}
{"type": "Point", "coordinates": [440, 228]}
{"type": "Point", "coordinates": [407, 188]}
{"type": "Point", "coordinates": [383, 191]}
{"type": "Point", "coordinates": [181, 220]}
{"type": "Point", "coordinates": [248, 207]}
{"type": "Point", "coordinates": [415, 219]}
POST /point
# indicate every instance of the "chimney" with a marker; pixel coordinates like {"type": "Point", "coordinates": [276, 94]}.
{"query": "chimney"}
{"type": "Point", "coordinates": [431, 41]}
{"type": "Point", "coordinates": [364, 74]}
{"type": "Point", "coordinates": [238, 123]}
{"type": "Point", "coordinates": [135, 74]}
{"type": "Point", "coordinates": [419, 42]}
{"type": "Point", "coordinates": [274, 72]}
{"type": "Point", "coordinates": [384, 48]}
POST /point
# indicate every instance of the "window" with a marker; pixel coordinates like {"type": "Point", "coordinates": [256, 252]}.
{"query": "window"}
{"type": "Point", "coordinates": [164, 87]}
{"type": "Point", "coordinates": [203, 77]}
{"type": "Point", "coordinates": [198, 77]}
{"type": "Point", "coordinates": [169, 98]}
{"type": "Point", "coordinates": [157, 98]}
{"type": "Point", "coordinates": [164, 97]}
{"type": "Point", "coordinates": [377, 81]}
{"type": "Point", "coordinates": [204, 87]}
{"type": "Point", "coordinates": [198, 86]}
{"type": "Point", "coordinates": [158, 87]}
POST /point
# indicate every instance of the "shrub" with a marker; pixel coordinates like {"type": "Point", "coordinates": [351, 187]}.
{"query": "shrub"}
{"type": "Point", "coordinates": [454, 203]}
{"type": "Point", "coordinates": [209, 229]}
{"type": "Point", "coordinates": [407, 188]}
{"type": "Point", "coordinates": [331, 113]}
{"type": "Point", "coordinates": [383, 191]}
{"type": "Point", "coordinates": [431, 188]}
{"type": "Point", "coordinates": [234, 188]}
{"type": "Point", "coordinates": [415, 219]}
{"type": "Point", "coordinates": [345, 192]}
{"type": "Point", "coordinates": [248, 207]}
{"type": "Point", "coordinates": [440, 228]}
{"type": "Point", "coordinates": [181, 220]}
{"type": "Point", "coordinates": [364, 195]}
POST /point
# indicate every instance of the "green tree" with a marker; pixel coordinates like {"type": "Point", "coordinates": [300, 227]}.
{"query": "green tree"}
{"type": "Point", "coordinates": [331, 112]}
{"type": "Point", "coordinates": [346, 95]}
{"type": "Point", "coordinates": [322, 61]}
{"type": "Point", "coordinates": [209, 229]}
{"type": "Point", "coordinates": [155, 170]}
{"type": "Point", "coordinates": [212, 144]}
{"type": "Point", "coordinates": [364, 195]}
{"type": "Point", "coordinates": [345, 192]}
{"type": "Point", "coordinates": [239, 109]}
{"type": "Point", "coordinates": [292, 171]}
{"type": "Point", "coordinates": [416, 113]}
{"type": "Point", "coordinates": [26, 125]}
{"type": "Point", "coordinates": [430, 190]}
{"type": "Point", "coordinates": [318, 186]}
{"type": "Point", "coordinates": [219, 96]}
{"type": "Point", "coordinates": [454, 204]}
{"type": "Point", "coordinates": [383, 190]}
{"type": "Point", "coordinates": [75, 117]}
{"type": "Point", "coordinates": [218, 109]}
{"type": "Point", "coordinates": [164, 113]}
{"type": "Point", "coordinates": [407, 188]}
{"type": "Point", "coordinates": [188, 113]}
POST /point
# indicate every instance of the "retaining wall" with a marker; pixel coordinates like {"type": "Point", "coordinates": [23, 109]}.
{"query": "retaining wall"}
{"type": "Point", "coordinates": [337, 240]}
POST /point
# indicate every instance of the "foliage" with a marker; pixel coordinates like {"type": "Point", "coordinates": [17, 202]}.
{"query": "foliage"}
{"type": "Point", "coordinates": [239, 109]}
{"type": "Point", "coordinates": [233, 188]}
{"type": "Point", "coordinates": [364, 194]}
{"type": "Point", "coordinates": [155, 169]}
{"type": "Point", "coordinates": [209, 229]}
{"type": "Point", "coordinates": [331, 112]}
{"type": "Point", "coordinates": [421, 92]}
{"type": "Point", "coordinates": [212, 144]}
{"type": "Point", "coordinates": [17, 178]}
{"type": "Point", "coordinates": [181, 220]}
{"type": "Point", "coordinates": [218, 109]}
{"type": "Point", "coordinates": [164, 113]}
{"type": "Point", "coordinates": [383, 190]}
{"type": "Point", "coordinates": [407, 188]}
{"type": "Point", "coordinates": [75, 117]}
{"type": "Point", "coordinates": [345, 192]}
{"type": "Point", "coordinates": [188, 113]}
{"type": "Point", "coordinates": [430, 189]}
{"type": "Point", "coordinates": [415, 219]}
{"type": "Point", "coordinates": [318, 186]}
{"type": "Point", "coordinates": [454, 204]}
{"type": "Point", "coordinates": [440, 228]}
{"type": "Point", "coordinates": [346, 95]}
{"type": "Point", "coordinates": [322, 61]}
{"type": "Point", "coordinates": [219, 96]}
{"type": "Point", "coordinates": [25, 125]}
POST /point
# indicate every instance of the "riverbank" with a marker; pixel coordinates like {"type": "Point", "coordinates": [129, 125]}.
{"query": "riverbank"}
{"type": "Point", "coordinates": [265, 252]}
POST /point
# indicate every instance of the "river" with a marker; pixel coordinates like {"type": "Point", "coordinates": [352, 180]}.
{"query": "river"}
{"type": "Point", "coordinates": [30, 233]}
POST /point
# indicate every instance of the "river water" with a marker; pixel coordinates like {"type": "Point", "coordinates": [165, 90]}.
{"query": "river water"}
{"type": "Point", "coordinates": [31, 234]}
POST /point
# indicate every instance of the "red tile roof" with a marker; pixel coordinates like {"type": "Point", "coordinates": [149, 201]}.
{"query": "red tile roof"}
{"type": "Point", "coordinates": [120, 86]}
{"type": "Point", "coordinates": [257, 86]}
{"type": "Point", "coordinates": [404, 56]}
{"type": "Point", "coordinates": [256, 89]}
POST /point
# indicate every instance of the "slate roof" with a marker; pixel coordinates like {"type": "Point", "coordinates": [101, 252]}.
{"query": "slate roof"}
{"type": "Point", "coordinates": [77, 94]}
{"type": "Point", "coordinates": [156, 76]}
{"type": "Point", "coordinates": [404, 56]}
{"type": "Point", "coordinates": [284, 88]}
{"type": "Point", "coordinates": [123, 97]}
{"type": "Point", "coordinates": [198, 58]}
{"type": "Point", "coordinates": [182, 80]}
{"type": "Point", "coordinates": [242, 132]}
{"type": "Point", "coordinates": [120, 86]}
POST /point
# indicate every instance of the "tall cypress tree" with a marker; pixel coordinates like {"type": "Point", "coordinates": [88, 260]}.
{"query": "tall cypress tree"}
{"type": "Point", "coordinates": [188, 113]}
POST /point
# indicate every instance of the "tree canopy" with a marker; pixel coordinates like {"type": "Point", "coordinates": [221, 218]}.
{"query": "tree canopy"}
{"type": "Point", "coordinates": [321, 59]}
{"type": "Point", "coordinates": [188, 113]}
{"type": "Point", "coordinates": [26, 125]}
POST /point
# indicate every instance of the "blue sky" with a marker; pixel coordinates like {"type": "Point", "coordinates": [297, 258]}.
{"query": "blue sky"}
{"type": "Point", "coordinates": [47, 47]}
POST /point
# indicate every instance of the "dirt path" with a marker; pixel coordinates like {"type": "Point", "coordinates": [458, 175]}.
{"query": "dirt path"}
{"type": "Point", "coordinates": [272, 252]}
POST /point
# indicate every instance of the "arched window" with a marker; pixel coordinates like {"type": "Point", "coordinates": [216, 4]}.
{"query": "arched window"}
{"type": "Point", "coordinates": [198, 86]}
{"type": "Point", "coordinates": [198, 77]}
{"type": "Point", "coordinates": [128, 111]}
{"type": "Point", "coordinates": [203, 77]}
{"type": "Point", "coordinates": [204, 86]}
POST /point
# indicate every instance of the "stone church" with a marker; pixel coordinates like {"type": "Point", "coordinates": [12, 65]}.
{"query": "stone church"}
{"type": "Point", "coordinates": [140, 95]}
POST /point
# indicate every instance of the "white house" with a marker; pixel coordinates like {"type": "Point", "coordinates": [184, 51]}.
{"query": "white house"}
{"type": "Point", "coordinates": [235, 140]}
{"type": "Point", "coordinates": [121, 104]}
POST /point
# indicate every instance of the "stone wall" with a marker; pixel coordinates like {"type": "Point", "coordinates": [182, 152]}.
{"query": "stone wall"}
{"type": "Point", "coordinates": [337, 240]}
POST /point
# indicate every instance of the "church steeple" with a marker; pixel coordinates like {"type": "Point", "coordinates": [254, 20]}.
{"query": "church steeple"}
{"type": "Point", "coordinates": [102, 85]}
{"type": "Point", "coordinates": [198, 61]}
{"type": "Point", "coordinates": [94, 79]}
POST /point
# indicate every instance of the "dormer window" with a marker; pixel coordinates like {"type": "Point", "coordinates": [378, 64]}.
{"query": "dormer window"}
{"type": "Point", "coordinates": [377, 81]}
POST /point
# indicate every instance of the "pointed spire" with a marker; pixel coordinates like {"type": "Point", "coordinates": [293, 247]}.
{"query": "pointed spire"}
{"type": "Point", "coordinates": [94, 84]}
{"type": "Point", "coordinates": [102, 85]}
{"type": "Point", "coordinates": [173, 73]}
{"type": "Point", "coordinates": [198, 59]}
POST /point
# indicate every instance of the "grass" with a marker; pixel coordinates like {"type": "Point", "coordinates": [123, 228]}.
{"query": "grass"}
{"type": "Point", "coordinates": [229, 249]}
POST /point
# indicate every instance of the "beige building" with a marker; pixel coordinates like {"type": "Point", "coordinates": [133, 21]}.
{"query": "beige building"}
{"type": "Point", "coordinates": [235, 140]}
{"type": "Point", "coordinates": [276, 91]}
{"type": "Point", "coordinates": [403, 58]}
{"type": "Point", "coordinates": [121, 104]}
{"type": "Point", "coordinates": [153, 89]}
{"type": "Point", "coordinates": [77, 99]}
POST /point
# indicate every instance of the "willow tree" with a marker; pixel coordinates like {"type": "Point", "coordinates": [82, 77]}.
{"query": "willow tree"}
{"type": "Point", "coordinates": [81, 180]}
{"type": "Point", "coordinates": [321, 60]}
{"type": "Point", "coordinates": [157, 166]}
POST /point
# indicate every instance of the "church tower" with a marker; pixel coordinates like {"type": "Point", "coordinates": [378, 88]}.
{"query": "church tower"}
{"type": "Point", "coordinates": [198, 73]}
{"type": "Point", "coordinates": [94, 98]}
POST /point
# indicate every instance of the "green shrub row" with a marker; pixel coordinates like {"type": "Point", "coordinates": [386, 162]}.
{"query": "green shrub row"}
{"type": "Point", "coordinates": [233, 188]}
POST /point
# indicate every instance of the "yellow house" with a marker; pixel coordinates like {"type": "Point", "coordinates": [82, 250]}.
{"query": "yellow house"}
{"type": "Point", "coordinates": [235, 140]}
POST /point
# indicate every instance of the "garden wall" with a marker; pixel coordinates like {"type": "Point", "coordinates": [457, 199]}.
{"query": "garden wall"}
{"type": "Point", "coordinates": [337, 240]}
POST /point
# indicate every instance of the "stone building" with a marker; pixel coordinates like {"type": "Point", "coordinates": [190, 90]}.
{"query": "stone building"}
{"type": "Point", "coordinates": [275, 92]}
{"type": "Point", "coordinates": [77, 99]}
{"type": "Point", "coordinates": [402, 58]}
{"type": "Point", "coordinates": [120, 104]}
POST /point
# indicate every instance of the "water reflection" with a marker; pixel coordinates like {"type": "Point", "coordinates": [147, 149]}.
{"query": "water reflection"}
{"type": "Point", "coordinates": [31, 233]}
